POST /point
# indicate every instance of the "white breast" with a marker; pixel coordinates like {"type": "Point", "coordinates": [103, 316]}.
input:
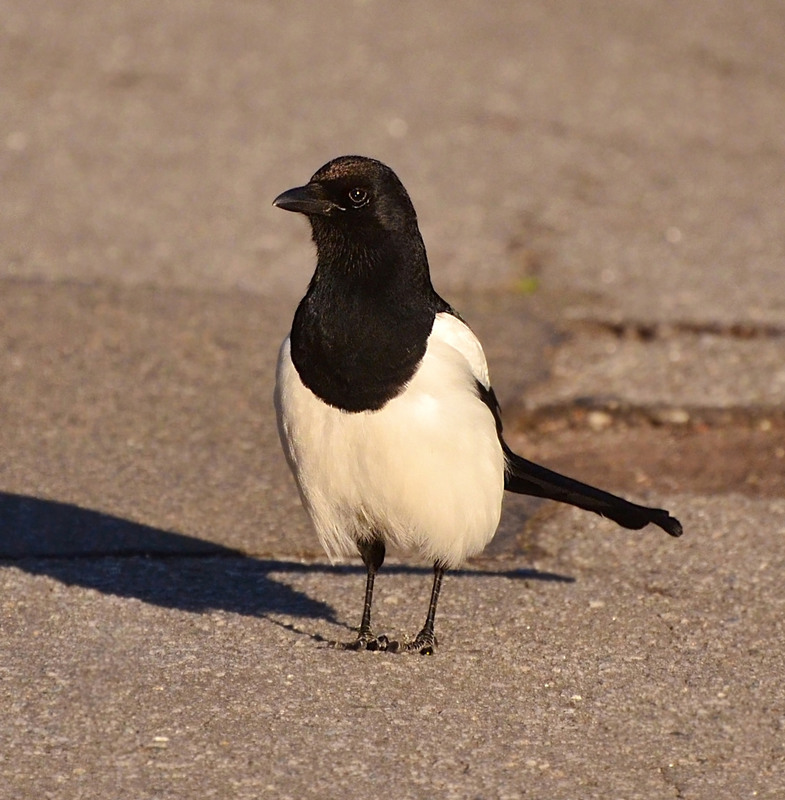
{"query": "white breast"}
{"type": "Point", "coordinates": [426, 471]}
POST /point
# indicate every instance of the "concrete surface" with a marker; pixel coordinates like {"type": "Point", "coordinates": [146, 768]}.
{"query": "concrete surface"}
{"type": "Point", "coordinates": [691, 372]}
{"type": "Point", "coordinates": [599, 188]}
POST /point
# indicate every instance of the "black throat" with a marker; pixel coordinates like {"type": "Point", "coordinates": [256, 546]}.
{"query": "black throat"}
{"type": "Point", "coordinates": [361, 330]}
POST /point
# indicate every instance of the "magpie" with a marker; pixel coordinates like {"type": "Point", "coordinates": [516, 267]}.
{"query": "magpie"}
{"type": "Point", "coordinates": [384, 404]}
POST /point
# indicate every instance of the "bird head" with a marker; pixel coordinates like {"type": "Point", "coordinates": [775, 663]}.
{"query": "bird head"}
{"type": "Point", "coordinates": [352, 193]}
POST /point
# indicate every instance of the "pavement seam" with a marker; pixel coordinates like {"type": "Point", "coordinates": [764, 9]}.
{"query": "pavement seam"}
{"type": "Point", "coordinates": [641, 330]}
{"type": "Point", "coordinates": [600, 413]}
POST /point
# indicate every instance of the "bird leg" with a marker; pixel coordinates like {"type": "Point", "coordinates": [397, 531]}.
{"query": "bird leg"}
{"type": "Point", "coordinates": [372, 553]}
{"type": "Point", "coordinates": [425, 641]}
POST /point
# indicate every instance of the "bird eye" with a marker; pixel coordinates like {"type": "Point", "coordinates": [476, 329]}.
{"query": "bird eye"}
{"type": "Point", "coordinates": [358, 197]}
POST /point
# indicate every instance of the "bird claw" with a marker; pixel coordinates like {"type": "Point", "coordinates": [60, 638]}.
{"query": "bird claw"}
{"type": "Point", "coordinates": [367, 641]}
{"type": "Point", "coordinates": [424, 644]}
{"type": "Point", "coordinates": [378, 643]}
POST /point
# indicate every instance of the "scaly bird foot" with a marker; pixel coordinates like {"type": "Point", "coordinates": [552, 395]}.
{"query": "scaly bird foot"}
{"type": "Point", "coordinates": [424, 644]}
{"type": "Point", "coordinates": [366, 641]}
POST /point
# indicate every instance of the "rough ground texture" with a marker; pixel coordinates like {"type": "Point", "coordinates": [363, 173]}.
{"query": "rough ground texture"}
{"type": "Point", "coordinates": [599, 186]}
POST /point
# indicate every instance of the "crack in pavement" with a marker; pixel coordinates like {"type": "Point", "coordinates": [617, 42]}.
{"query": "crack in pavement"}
{"type": "Point", "coordinates": [650, 331]}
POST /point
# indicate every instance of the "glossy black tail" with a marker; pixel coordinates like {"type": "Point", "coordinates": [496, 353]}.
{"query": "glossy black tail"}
{"type": "Point", "coordinates": [526, 477]}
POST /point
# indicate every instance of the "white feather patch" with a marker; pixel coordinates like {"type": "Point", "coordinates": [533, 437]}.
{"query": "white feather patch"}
{"type": "Point", "coordinates": [457, 334]}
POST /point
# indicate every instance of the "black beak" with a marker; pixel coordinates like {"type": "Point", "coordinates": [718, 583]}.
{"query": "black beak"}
{"type": "Point", "coordinates": [306, 200]}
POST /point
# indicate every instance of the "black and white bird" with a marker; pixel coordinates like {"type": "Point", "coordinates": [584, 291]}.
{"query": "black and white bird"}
{"type": "Point", "coordinates": [385, 408]}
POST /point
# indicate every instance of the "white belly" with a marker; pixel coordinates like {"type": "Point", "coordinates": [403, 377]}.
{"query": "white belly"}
{"type": "Point", "coordinates": [426, 472]}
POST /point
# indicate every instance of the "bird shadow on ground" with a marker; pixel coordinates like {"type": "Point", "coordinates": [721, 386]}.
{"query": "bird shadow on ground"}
{"type": "Point", "coordinates": [115, 556]}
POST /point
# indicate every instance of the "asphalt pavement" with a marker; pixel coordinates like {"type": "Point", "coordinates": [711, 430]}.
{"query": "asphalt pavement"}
{"type": "Point", "coordinates": [599, 189]}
